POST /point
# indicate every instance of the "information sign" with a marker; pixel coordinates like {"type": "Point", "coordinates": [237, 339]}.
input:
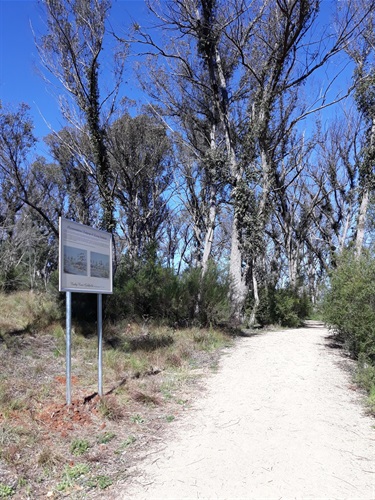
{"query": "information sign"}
{"type": "Point", "coordinates": [85, 259]}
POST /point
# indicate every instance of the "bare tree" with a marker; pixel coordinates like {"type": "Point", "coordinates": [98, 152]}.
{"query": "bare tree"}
{"type": "Point", "coordinates": [17, 170]}
{"type": "Point", "coordinates": [32, 198]}
{"type": "Point", "coordinates": [249, 55]}
{"type": "Point", "coordinates": [192, 82]}
{"type": "Point", "coordinates": [362, 52]}
{"type": "Point", "coordinates": [72, 50]}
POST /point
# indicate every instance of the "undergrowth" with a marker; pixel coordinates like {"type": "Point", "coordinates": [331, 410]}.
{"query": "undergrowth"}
{"type": "Point", "coordinates": [349, 310]}
{"type": "Point", "coordinates": [365, 377]}
{"type": "Point", "coordinates": [149, 372]}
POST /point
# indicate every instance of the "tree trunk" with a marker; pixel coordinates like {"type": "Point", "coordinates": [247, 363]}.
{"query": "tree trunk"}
{"type": "Point", "coordinates": [254, 311]}
{"type": "Point", "coordinates": [361, 225]}
{"type": "Point", "coordinates": [361, 222]}
{"type": "Point", "coordinates": [209, 237]}
{"type": "Point", "coordinates": [238, 284]}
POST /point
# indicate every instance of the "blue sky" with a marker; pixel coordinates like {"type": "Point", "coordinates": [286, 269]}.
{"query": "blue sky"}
{"type": "Point", "coordinates": [20, 80]}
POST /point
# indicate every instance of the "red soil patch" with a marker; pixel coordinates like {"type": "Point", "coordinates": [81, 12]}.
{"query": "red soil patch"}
{"type": "Point", "coordinates": [63, 418]}
{"type": "Point", "coordinates": [62, 380]}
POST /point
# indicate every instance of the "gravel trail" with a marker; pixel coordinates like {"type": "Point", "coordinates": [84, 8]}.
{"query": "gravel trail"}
{"type": "Point", "coordinates": [279, 421]}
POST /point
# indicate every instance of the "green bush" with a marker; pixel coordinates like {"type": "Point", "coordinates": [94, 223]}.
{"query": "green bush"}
{"type": "Point", "coordinates": [214, 307]}
{"type": "Point", "coordinates": [349, 304]}
{"type": "Point", "coordinates": [284, 307]}
{"type": "Point", "coordinates": [13, 279]}
{"type": "Point", "coordinates": [365, 377]}
{"type": "Point", "coordinates": [143, 289]}
{"type": "Point", "coordinates": [264, 314]}
{"type": "Point", "coordinates": [146, 289]}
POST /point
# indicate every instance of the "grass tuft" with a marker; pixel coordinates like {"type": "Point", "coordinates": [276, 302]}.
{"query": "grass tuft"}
{"type": "Point", "coordinates": [79, 447]}
{"type": "Point", "coordinates": [6, 491]}
{"type": "Point", "coordinates": [110, 408]}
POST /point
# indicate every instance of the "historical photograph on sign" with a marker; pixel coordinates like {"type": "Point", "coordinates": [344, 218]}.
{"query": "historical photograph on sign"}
{"type": "Point", "coordinates": [99, 265]}
{"type": "Point", "coordinates": [75, 261]}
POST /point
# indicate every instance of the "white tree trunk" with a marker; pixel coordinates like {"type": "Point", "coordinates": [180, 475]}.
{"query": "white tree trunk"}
{"type": "Point", "coordinates": [254, 311]}
{"type": "Point", "coordinates": [209, 237]}
{"type": "Point", "coordinates": [345, 230]}
{"type": "Point", "coordinates": [238, 286]}
{"type": "Point", "coordinates": [361, 225]}
{"type": "Point", "coordinates": [361, 222]}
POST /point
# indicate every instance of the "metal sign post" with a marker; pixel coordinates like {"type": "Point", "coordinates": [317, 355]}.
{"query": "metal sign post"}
{"type": "Point", "coordinates": [85, 266]}
{"type": "Point", "coordinates": [68, 347]}
{"type": "Point", "coordinates": [100, 348]}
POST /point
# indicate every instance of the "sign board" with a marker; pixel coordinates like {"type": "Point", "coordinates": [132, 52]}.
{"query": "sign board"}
{"type": "Point", "coordinates": [85, 259]}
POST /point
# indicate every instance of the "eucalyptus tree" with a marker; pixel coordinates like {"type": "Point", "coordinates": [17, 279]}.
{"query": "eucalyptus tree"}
{"type": "Point", "coordinates": [72, 51]}
{"type": "Point", "coordinates": [19, 174]}
{"type": "Point", "coordinates": [279, 60]}
{"type": "Point", "coordinates": [316, 210]}
{"type": "Point", "coordinates": [82, 197]}
{"type": "Point", "coordinates": [180, 79]}
{"type": "Point", "coordinates": [141, 160]}
{"type": "Point", "coordinates": [362, 52]}
{"type": "Point", "coordinates": [191, 70]}
{"type": "Point", "coordinates": [335, 176]}
{"type": "Point", "coordinates": [224, 58]}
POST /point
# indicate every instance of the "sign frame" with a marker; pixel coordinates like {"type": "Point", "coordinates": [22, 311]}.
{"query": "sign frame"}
{"type": "Point", "coordinates": [85, 259]}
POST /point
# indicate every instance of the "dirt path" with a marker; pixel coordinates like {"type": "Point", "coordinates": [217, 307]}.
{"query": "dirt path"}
{"type": "Point", "coordinates": [280, 420]}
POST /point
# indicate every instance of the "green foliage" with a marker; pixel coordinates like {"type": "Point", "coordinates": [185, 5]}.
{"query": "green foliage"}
{"type": "Point", "coordinates": [142, 289]}
{"type": "Point", "coordinates": [128, 442]}
{"type": "Point", "coordinates": [137, 419]}
{"type": "Point", "coordinates": [365, 377]}
{"type": "Point", "coordinates": [290, 307]}
{"type": "Point", "coordinates": [6, 491]}
{"type": "Point", "coordinates": [106, 437]}
{"type": "Point", "coordinates": [12, 278]}
{"type": "Point", "coordinates": [79, 446]}
{"type": "Point", "coordinates": [209, 340]}
{"type": "Point", "coordinates": [146, 289]}
{"type": "Point", "coordinates": [284, 307]}
{"type": "Point", "coordinates": [101, 482]}
{"type": "Point", "coordinates": [349, 304]}
{"type": "Point", "coordinates": [71, 474]}
{"type": "Point", "coordinates": [214, 304]}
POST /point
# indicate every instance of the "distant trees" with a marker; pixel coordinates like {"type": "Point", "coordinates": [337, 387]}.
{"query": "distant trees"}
{"type": "Point", "coordinates": [141, 162]}
{"type": "Point", "coordinates": [28, 204]}
{"type": "Point", "coordinates": [220, 170]}
{"type": "Point", "coordinates": [230, 77]}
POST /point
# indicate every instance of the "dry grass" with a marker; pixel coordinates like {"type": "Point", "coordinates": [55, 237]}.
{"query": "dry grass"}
{"type": "Point", "coordinates": [147, 382]}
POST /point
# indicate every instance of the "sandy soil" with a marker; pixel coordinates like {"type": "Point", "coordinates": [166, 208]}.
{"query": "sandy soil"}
{"type": "Point", "coordinates": [280, 420]}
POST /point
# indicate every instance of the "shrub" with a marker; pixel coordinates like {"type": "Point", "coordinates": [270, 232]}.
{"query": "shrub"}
{"type": "Point", "coordinates": [214, 307]}
{"type": "Point", "coordinates": [349, 304]}
{"type": "Point", "coordinates": [146, 289]}
{"type": "Point", "coordinates": [143, 289]}
{"type": "Point", "coordinates": [283, 306]}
